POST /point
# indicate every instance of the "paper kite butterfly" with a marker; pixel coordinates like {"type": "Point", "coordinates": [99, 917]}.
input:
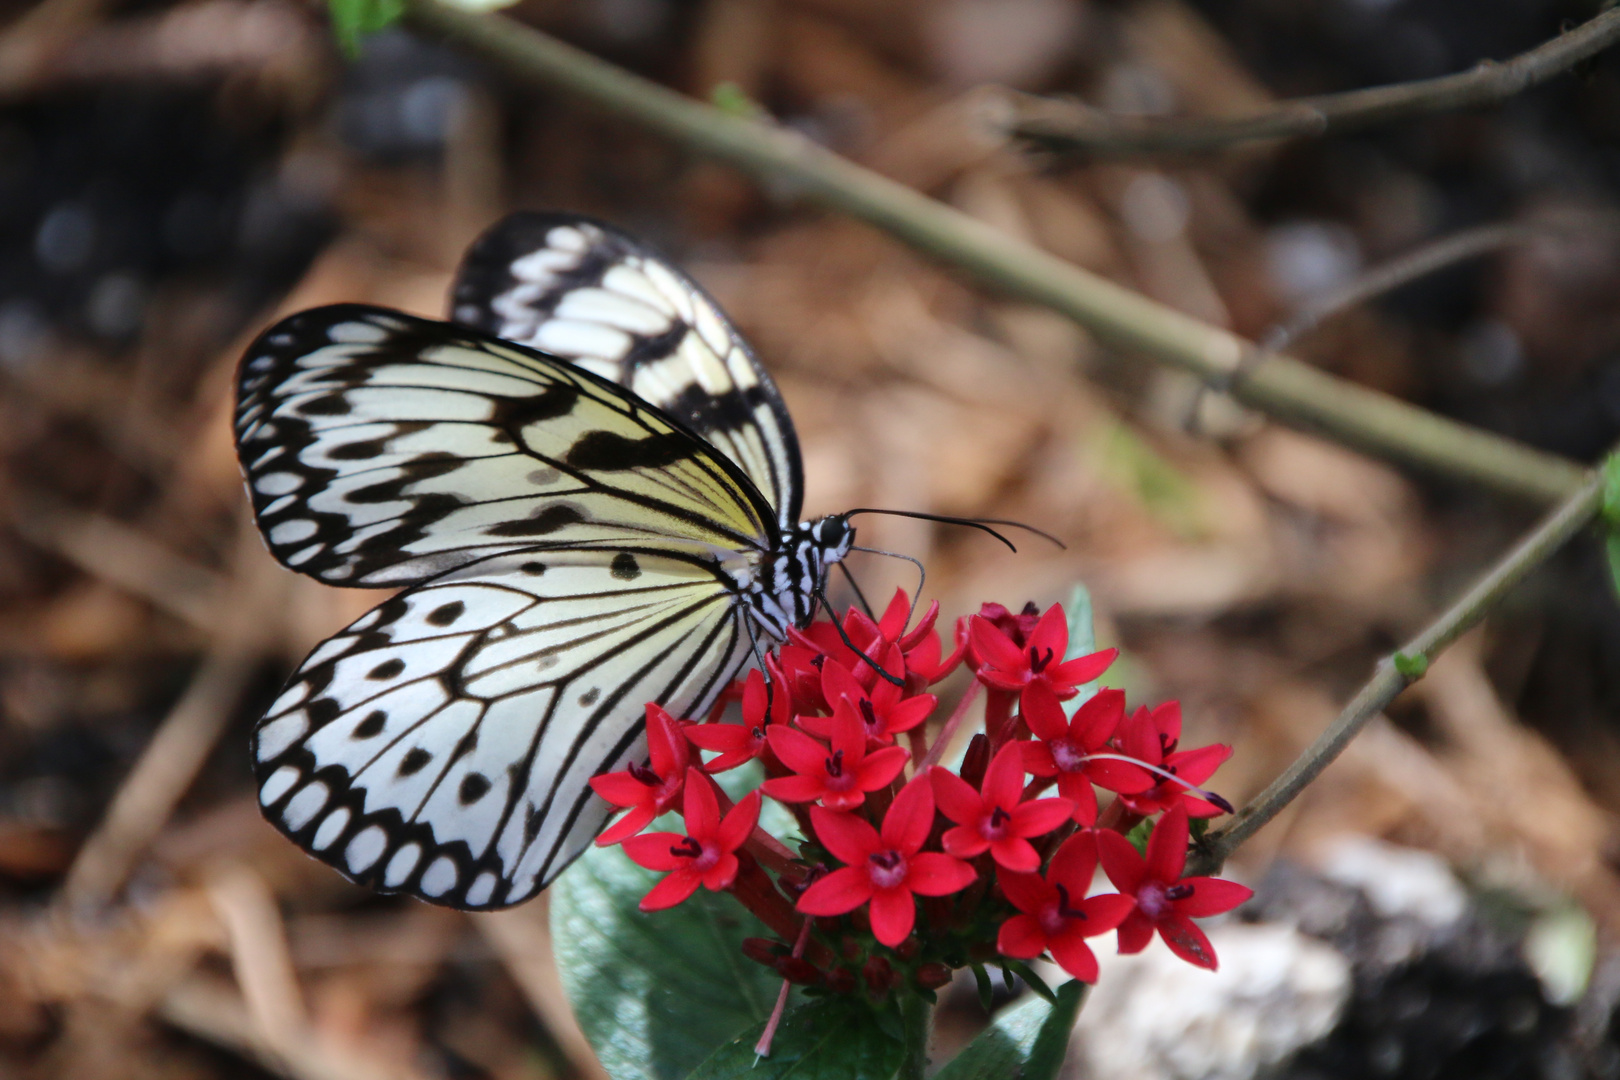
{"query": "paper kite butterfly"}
{"type": "Point", "coordinates": [588, 488]}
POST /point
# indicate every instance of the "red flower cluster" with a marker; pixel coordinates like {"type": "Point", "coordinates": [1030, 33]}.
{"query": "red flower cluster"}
{"type": "Point", "coordinates": [906, 868]}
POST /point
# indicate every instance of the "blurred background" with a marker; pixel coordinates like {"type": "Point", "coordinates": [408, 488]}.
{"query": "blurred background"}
{"type": "Point", "coordinates": [1444, 902]}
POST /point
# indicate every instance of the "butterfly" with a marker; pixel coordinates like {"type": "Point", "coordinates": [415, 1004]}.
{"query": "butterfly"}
{"type": "Point", "coordinates": [589, 490]}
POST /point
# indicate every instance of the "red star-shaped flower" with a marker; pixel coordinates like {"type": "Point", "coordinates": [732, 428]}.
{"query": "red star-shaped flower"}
{"type": "Point", "coordinates": [741, 743]}
{"type": "Point", "coordinates": [1065, 746]}
{"type": "Point", "coordinates": [1055, 914]}
{"type": "Point", "coordinates": [1152, 737]}
{"type": "Point", "coordinates": [1037, 668]}
{"type": "Point", "coordinates": [705, 856]}
{"type": "Point", "coordinates": [994, 818]}
{"type": "Point", "coordinates": [647, 791]}
{"type": "Point", "coordinates": [884, 710]}
{"type": "Point", "coordinates": [1165, 901]}
{"type": "Point", "coordinates": [840, 778]}
{"type": "Point", "coordinates": [886, 869]}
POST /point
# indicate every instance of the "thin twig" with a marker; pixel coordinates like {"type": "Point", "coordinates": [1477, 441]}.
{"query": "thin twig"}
{"type": "Point", "coordinates": [1395, 673]}
{"type": "Point", "coordinates": [521, 938]}
{"type": "Point", "coordinates": [1285, 388]}
{"type": "Point", "coordinates": [1070, 128]}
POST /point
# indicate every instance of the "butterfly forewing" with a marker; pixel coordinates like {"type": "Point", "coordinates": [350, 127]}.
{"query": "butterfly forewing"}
{"type": "Point", "coordinates": [442, 745]}
{"type": "Point", "coordinates": [582, 290]}
{"type": "Point", "coordinates": [382, 449]}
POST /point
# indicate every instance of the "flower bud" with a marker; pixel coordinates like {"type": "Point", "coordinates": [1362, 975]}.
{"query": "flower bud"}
{"type": "Point", "coordinates": [841, 980]}
{"type": "Point", "coordinates": [762, 950]}
{"type": "Point", "coordinates": [879, 976]}
{"type": "Point", "coordinates": [933, 976]}
{"type": "Point", "coordinates": [976, 760]}
{"type": "Point", "coordinates": [795, 970]}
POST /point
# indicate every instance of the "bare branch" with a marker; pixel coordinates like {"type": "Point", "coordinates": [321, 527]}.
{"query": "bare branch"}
{"type": "Point", "coordinates": [1070, 128]}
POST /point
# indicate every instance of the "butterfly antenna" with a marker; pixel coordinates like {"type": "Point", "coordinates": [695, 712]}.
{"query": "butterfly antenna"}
{"type": "Point", "coordinates": [892, 680]}
{"type": "Point", "coordinates": [982, 524]}
{"type": "Point", "coordinates": [853, 584]}
{"type": "Point", "coordinates": [922, 574]}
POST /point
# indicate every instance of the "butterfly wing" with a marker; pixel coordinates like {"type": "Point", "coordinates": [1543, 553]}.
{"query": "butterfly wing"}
{"type": "Point", "coordinates": [583, 290]}
{"type": "Point", "coordinates": [442, 745]}
{"type": "Point", "coordinates": [382, 450]}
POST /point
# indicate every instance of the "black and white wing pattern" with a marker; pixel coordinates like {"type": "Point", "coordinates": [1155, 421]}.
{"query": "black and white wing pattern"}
{"type": "Point", "coordinates": [443, 744]}
{"type": "Point", "coordinates": [382, 449]}
{"type": "Point", "coordinates": [574, 554]}
{"type": "Point", "coordinates": [583, 290]}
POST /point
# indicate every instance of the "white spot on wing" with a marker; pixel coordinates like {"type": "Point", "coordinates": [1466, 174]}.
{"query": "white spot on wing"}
{"type": "Point", "coordinates": [331, 829]}
{"type": "Point", "coordinates": [302, 807]}
{"type": "Point", "coordinates": [280, 733]}
{"type": "Point", "coordinates": [290, 532]}
{"type": "Point", "coordinates": [582, 339]}
{"type": "Point", "coordinates": [440, 877]}
{"type": "Point", "coordinates": [401, 865]}
{"type": "Point", "coordinates": [278, 483]}
{"type": "Point", "coordinates": [366, 848]}
{"type": "Point", "coordinates": [356, 333]}
{"type": "Point", "coordinates": [275, 787]}
{"type": "Point", "coordinates": [481, 890]}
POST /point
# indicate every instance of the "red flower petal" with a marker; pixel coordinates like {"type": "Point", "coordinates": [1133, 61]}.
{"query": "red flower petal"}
{"type": "Point", "coordinates": [1014, 853]}
{"type": "Point", "coordinates": [1082, 669]}
{"type": "Point", "coordinates": [839, 892]}
{"type": "Point", "coordinates": [1045, 717]}
{"type": "Point", "coordinates": [838, 683]}
{"type": "Point", "coordinates": [1074, 956]}
{"type": "Point", "coordinates": [621, 789]}
{"type": "Point", "coordinates": [1104, 913]}
{"type": "Point", "coordinates": [893, 913]}
{"type": "Point", "coordinates": [797, 750]}
{"type": "Point", "coordinates": [652, 850]}
{"type": "Point", "coordinates": [1096, 721]}
{"type": "Point", "coordinates": [739, 822]}
{"type": "Point", "coordinates": [671, 891]}
{"type": "Point", "coordinates": [893, 622]}
{"type": "Point", "coordinates": [1037, 758]}
{"type": "Point", "coordinates": [1029, 893]}
{"type": "Point", "coordinates": [992, 647]}
{"type": "Point", "coordinates": [955, 797]}
{"type": "Point", "coordinates": [1210, 896]}
{"type": "Point", "coordinates": [1039, 817]}
{"type": "Point", "coordinates": [1021, 938]}
{"type": "Point", "coordinates": [910, 712]}
{"type": "Point", "coordinates": [1187, 941]}
{"type": "Point", "coordinates": [700, 808]}
{"type": "Point", "coordinates": [1122, 863]}
{"type": "Point", "coordinates": [850, 839]}
{"type": "Point", "coordinates": [795, 788]}
{"type": "Point", "coordinates": [910, 816]}
{"type": "Point", "coordinates": [722, 873]}
{"type": "Point", "coordinates": [1135, 933]}
{"type": "Point", "coordinates": [1052, 632]}
{"type": "Point", "coordinates": [964, 842]}
{"type": "Point", "coordinates": [933, 874]}
{"type": "Point", "coordinates": [632, 822]}
{"type": "Point", "coordinates": [1075, 863]}
{"type": "Point", "coordinates": [877, 769]}
{"type": "Point", "coordinates": [718, 736]}
{"type": "Point", "coordinates": [1167, 847]}
{"type": "Point", "coordinates": [1004, 779]}
{"type": "Point", "coordinates": [666, 745]}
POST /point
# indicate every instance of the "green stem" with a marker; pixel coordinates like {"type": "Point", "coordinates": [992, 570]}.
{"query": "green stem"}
{"type": "Point", "coordinates": [918, 1017]}
{"type": "Point", "coordinates": [1397, 672]}
{"type": "Point", "coordinates": [1281, 386]}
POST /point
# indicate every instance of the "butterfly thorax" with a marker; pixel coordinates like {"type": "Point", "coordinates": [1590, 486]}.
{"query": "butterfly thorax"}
{"type": "Point", "coordinates": [782, 592]}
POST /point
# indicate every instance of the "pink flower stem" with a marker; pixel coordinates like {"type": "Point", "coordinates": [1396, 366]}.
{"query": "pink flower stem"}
{"type": "Point", "coordinates": [763, 1047]}
{"type": "Point", "coordinates": [771, 852]}
{"type": "Point", "coordinates": [948, 732]}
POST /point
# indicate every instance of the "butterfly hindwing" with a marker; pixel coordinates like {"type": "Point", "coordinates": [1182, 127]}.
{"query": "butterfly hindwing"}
{"type": "Point", "coordinates": [442, 744]}
{"type": "Point", "coordinates": [381, 449]}
{"type": "Point", "coordinates": [583, 290]}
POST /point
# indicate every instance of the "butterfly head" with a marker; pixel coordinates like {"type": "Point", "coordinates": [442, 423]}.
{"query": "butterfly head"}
{"type": "Point", "coordinates": [832, 538]}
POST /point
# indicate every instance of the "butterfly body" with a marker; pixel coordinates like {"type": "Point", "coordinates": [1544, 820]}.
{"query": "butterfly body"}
{"type": "Point", "coordinates": [577, 533]}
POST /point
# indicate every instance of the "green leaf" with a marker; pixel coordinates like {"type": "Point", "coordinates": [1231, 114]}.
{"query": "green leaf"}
{"type": "Point", "coordinates": [1027, 973]}
{"type": "Point", "coordinates": [836, 1038]}
{"type": "Point", "coordinates": [1611, 545]}
{"type": "Point", "coordinates": [1028, 1042]}
{"type": "Point", "coordinates": [1610, 511]}
{"type": "Point", "coordinates": [353, 20]}
{"type": "Point", "coordinates": [655, 993]}
{"type": "Point", "coordinates": [1082, 642]}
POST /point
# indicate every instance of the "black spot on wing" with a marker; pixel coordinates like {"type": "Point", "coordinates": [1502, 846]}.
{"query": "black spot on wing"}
{"type": "Point", "coordinates": [387, 669]}
{"type": "Point", "coordinates": [608, 451]}
{"type": "Point", "coordinates": [548, 520]}
{"type": "Point", "coordinates": [446, 614]}
{"type": "Point", "coordinates": [625, 567]}
{"type": "Point", "coordinates": [512, 414]}
{"type": "Point", "coordinates": [474, 786]}
{"type": "Point", "coordinates": [414, 761]}
{"type": "Point", "coordinates": [371, 726]}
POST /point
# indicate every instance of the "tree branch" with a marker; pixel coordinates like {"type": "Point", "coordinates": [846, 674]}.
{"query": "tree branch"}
{"type": "Point", "coordinates": [1283, 387]}
{"type": "Point", "coordinates": [1071, 128]}
{"type": "Point", "coordinates": [1395, 673]}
